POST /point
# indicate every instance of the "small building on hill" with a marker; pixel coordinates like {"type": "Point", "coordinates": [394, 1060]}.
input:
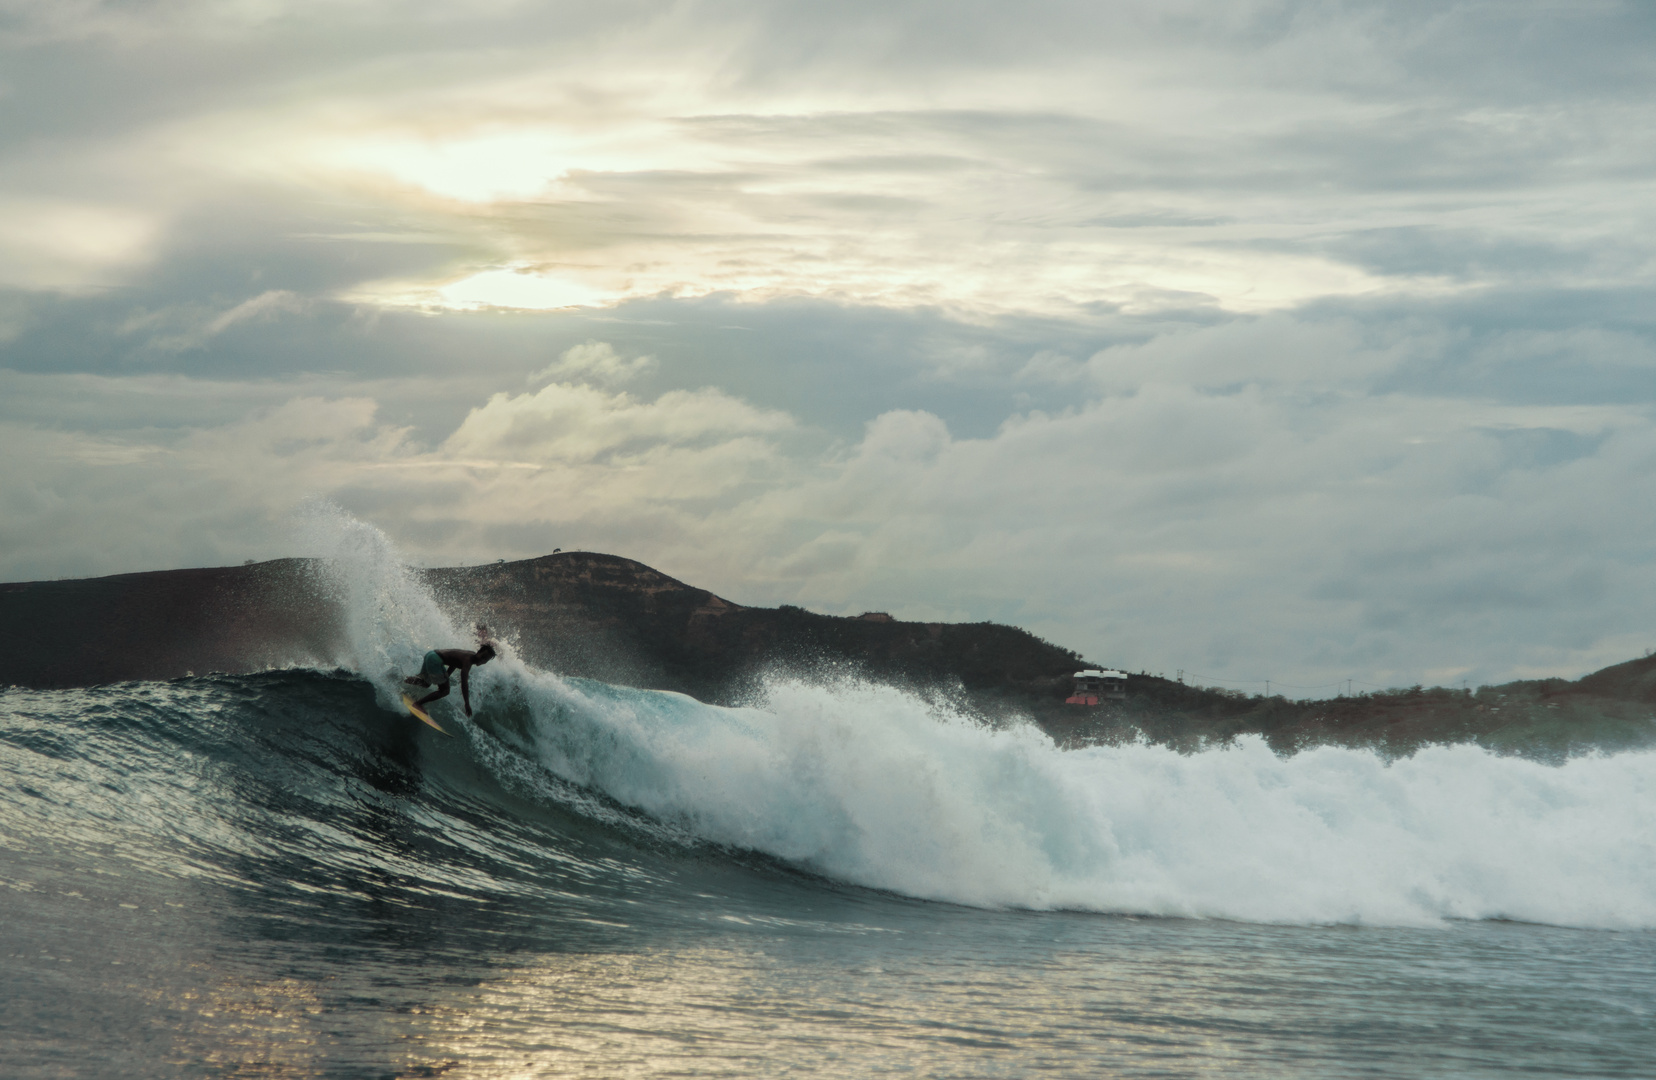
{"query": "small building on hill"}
{"type": "Point", "coordinates": [875, 616]}
{"type": "Point", "coordinates": [1095, 685]}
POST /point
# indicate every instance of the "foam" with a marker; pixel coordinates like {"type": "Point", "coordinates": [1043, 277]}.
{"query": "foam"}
{"type": "Point", "coordinates": [868, 785]}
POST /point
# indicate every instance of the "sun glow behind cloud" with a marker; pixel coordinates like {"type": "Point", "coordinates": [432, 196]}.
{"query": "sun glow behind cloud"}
{"type": "Point", "coordinates": [502, 165]}
{"type": "Point", "coordinates": [907, 204]}
{"type": "Point", "coordinates": [1064, 202]}
{"type": "Point", "coordinates": [520, 288]}
{"type": "Point", "coordinates": [760, 221]}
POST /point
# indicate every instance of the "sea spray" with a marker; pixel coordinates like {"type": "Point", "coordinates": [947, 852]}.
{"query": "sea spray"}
{"type": "Point", "coordinates": [389, 617]}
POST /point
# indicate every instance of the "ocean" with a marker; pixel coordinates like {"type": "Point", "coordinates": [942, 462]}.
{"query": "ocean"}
{"type": "Point", "coordinates": [282, 874]}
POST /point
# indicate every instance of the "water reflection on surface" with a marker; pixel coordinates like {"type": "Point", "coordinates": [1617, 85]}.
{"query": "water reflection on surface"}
{"type": "Point", "coordinates": [986, 994]}
{"type": "Point", "coordinates": [705, 967]}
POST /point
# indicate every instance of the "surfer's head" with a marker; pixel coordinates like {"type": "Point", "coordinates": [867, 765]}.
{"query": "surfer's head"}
{"type": "Point", "coordinates": [484, 654]}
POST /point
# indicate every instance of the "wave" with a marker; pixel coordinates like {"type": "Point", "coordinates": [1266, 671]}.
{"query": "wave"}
{"type": "Point", "coordinates": [869, 786]}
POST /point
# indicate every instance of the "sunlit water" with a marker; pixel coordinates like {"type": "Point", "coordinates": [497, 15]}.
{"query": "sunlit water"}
{"type": "Point", "coordinates": [284, 875]}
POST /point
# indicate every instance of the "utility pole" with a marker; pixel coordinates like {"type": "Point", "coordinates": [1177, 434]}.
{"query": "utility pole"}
{"type": "Point", "coordinates": [1267, 687]}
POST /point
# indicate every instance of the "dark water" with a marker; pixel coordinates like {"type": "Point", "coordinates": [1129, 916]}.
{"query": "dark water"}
{"type": "Point", "coordinates": [277, 875]}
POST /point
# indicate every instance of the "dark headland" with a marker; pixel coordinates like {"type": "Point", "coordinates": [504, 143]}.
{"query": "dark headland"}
{"type": "Point", "coordinates": [610, 618]}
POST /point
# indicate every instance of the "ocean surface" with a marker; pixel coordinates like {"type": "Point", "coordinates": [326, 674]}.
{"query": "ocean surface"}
{"type": "Point", "coordinates": [282, 874]}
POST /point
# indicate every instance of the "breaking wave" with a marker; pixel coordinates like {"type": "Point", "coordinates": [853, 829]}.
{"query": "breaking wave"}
{"type": "Point", "coordinates": [872, 786]}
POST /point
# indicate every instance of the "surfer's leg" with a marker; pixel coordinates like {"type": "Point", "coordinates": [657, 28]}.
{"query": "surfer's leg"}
{"type": "Point", "coordinates": [441, 692]}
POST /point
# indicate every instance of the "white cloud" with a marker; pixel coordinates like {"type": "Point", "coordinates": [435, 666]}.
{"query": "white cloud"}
{"type": "Point", "coordinates": [521, 288]}
{"type": "Point", "coordinates": [175, 498]}
{"type": "Point", "coordinates": [563, 422]}
{"type": "Point", "coordinates": [1278, 351]}
{"type": "Point", "coordinates": [182, 328]}
{"type": "Point", "coordinates": [595, 361]}
{"type": "Point", "coordinates": [52, 244]}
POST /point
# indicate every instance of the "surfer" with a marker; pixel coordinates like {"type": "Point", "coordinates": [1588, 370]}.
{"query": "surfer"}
{"type": "Point", "coordinates": [440, 662]}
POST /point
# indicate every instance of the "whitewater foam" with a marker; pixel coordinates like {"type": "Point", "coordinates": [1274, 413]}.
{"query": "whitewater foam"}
{"type": "Point", "coordinates": [869, 785]}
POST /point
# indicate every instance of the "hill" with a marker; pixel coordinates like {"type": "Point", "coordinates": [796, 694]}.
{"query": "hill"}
{"type": "Point", "coordinates": [579, 613]}
{"type": "Point", "coordinates": [612, 618]}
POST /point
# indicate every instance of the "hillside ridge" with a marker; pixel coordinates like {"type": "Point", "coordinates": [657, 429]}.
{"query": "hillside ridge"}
{"type": "Point", "coordinates": [616, 619]}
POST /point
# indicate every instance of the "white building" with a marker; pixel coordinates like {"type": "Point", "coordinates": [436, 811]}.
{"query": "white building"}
{"type": "Point", "coordinates": [1095, 685]}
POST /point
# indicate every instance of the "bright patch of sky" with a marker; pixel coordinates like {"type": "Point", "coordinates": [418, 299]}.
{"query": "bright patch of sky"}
{"type": "Point", "coordinates": [1303, 341]}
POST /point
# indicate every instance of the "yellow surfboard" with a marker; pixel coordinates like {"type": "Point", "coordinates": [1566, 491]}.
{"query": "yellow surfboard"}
{"type": "Point", "coordinates": [408, 703]}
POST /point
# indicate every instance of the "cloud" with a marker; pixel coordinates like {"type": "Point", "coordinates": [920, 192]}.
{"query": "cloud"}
{"type": "Point", "coordinates": [1238, 335]}
{"type": "Point", "coordinates": [577, 423]}
{"type": "Point", "coordinates": [1327, 355]}
{"type": "Point", "coordinates": [1249, 158]}
{"type": "Point", "coordinates": [180, 497]}
{"type": "Point", "coordinates": [1227, 531]}
{"type": "Point", "coordinates": [594, 361]}
{"type": "Point", "coordinates": [182, 329]}
{"type": "Point", "coordinates": [56, 245]}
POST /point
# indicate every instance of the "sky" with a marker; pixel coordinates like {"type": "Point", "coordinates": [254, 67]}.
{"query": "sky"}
{"type": "Point", "coordinates": [1241, 340]}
